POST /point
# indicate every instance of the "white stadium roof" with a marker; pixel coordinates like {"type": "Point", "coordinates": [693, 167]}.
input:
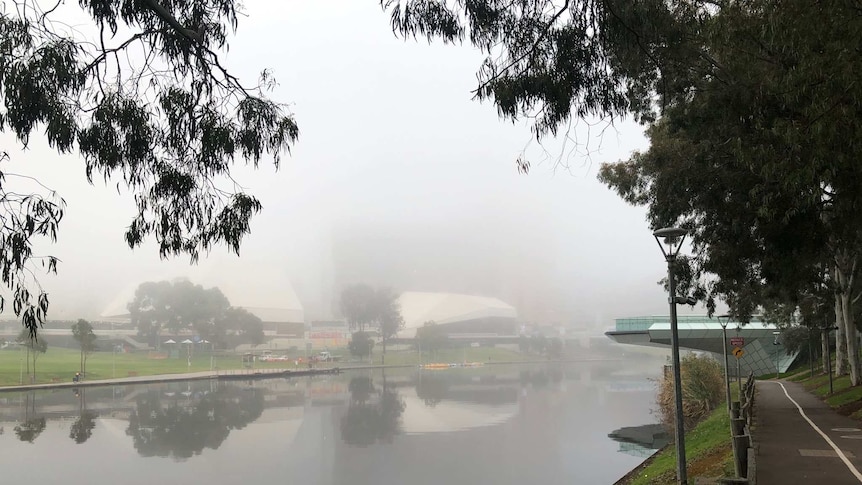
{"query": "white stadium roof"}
{"type": "Point", "coordinates": [420, 307]}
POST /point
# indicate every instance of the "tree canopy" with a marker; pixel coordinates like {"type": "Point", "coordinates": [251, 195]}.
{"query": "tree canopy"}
{"type": "Point", "coordinates": [550, 60]}
{"type": "Point", "coordinates": [138, 90]}
{"type": "Point", "coordinates": [82, 332]}
{"type": "Point", "coordinates": [759, 161]}
{"type": "Point", "coordinates": [182, 306]}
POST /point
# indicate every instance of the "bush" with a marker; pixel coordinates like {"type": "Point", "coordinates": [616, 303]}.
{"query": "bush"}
{"type": "Point", "coordinates": [703, 390]}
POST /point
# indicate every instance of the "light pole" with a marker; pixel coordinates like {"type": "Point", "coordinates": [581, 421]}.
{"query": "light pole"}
{"type": "Point", "coordinates": [775, 334]}
{"type": "Point", "coordinates": [672, 237]}
{"type": "Point", "coordinates": [723, 320]}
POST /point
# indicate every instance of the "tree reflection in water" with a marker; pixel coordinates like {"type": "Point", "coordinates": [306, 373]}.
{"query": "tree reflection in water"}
{"type": "Point", "coordinates": [30, 429]}
{"type": "Point", "coordinates": [82, 429]}
{"type": "Point", "coordinates": [374, 415]}
{"type": "Point", "coordinates": [180, 427]}
{"type": "Point", "coordinates": [32, 426]}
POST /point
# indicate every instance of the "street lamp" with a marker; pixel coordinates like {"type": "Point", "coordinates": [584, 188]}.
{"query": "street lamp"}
{"type": "Point", "coordinates": [723, 320]}
{"type": "Point", "coordinates": [672, 237]}
{"type": "Point", "coordinates": [775, 335]}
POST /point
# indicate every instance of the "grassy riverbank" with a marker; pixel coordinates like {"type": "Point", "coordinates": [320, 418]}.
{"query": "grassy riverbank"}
{"type": "Point", "coordinates": [707, 449]}
{"type": "Point", "coordinates": [845, 399]}
{"type": "Point", "coordinates": [59, 364]}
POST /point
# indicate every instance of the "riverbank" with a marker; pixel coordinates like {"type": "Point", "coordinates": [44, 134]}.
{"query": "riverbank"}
{"type": "Point", "coordinates": [709, 454]}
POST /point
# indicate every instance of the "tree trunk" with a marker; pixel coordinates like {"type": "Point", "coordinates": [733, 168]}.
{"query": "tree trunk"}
{"type": "Point", "coordinates": [840, 341]}
{"type": "Point", "coordinates": [852, 339]}
{"type": "Point", "coordinates": [34, 366]}
{"type": "Point", "coordinates": [383, 356]}
{"type": "Point", "coordinates": [81, 367]}
{"type": "Point", "coordinates": [824, 349]}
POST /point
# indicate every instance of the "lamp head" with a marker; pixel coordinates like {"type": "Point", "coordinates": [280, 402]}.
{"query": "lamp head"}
{"type": "Point", "coordinates": [672, 237]}
{"type": "Point", "coordinates": [723, 320]}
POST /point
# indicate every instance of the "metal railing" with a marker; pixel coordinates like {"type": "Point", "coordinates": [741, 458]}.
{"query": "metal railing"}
{"type": "Point", "coordinates": [741, 416]}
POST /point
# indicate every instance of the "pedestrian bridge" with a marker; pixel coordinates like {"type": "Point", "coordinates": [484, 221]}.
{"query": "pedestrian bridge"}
{"type": "Point", "coordinates": [761, 352]}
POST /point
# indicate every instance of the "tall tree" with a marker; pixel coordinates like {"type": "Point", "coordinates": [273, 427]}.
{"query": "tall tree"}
{"type": "Point", "coordinates": [389, 319]}
{"type": "Point", "coordinates": [176, 306]}
{"type": "Point", "coordinates": [148, 102]}
{"type": "Point", "coordinates": [759, 159]}
{"type": "Point", "coordinates": [236, 326]}
{"type": "Point", "coordinates": [35, 346]}
{"type": "Point", "coordinates": [83, 333]}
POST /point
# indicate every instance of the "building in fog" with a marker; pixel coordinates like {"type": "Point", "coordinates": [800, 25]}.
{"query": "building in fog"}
{"type": "Point", "coordinates": [464, 315]}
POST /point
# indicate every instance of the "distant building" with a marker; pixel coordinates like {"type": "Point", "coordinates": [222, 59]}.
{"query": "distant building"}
{"type": "Point", "coordinates": [460, 314]}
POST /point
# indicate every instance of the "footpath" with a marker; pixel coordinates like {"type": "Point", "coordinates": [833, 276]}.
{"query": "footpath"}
{"type": "Point", "coordinates": [801, 440]}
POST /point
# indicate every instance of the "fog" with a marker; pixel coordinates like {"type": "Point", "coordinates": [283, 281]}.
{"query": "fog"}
{"type": "Point", "coordinates": [398, 179]}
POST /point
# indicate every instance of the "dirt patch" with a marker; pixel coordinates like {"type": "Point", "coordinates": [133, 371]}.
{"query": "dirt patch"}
{"type": "Point", "coordinates": [710, 464]}
{"type": "Point", "coordinates": [849, 408]}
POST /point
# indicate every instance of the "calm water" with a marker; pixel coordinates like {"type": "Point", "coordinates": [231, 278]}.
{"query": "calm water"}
{"type": "Point", "coordinates": [542, 424]}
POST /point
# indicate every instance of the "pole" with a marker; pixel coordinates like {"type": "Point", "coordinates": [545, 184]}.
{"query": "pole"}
{"type": "Point", "coordinates": [726, 374]}
{"type": "Point", "coordinates": [677, 378]}
{"type": "Point", "coordinates": [828, 358]}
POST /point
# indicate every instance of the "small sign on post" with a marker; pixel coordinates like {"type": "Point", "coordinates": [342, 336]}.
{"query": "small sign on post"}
{"type": "Point", "coordinates": [737, 341]}
{"type": "Point", "coordinates": [738, 352]}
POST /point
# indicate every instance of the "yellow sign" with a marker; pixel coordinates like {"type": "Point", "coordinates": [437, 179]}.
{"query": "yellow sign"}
{"type": "Point", "coordinates": [738, 352]}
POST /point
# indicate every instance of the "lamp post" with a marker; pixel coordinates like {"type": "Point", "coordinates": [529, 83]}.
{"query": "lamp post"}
{"type": "Point", "coordinates": [723, 320]}
{"type": "Point", "coordinates": [672, 237]}
{"type": "Point", "coordinates": [775, 334]}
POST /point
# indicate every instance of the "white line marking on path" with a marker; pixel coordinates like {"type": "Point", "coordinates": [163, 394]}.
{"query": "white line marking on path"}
{"type": "Point", "coordinates": [831, 443]}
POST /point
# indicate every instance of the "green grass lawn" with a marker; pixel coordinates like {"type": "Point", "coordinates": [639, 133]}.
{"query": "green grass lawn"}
{"type": "Point", "coordinates": [59, 364]}
{"type": "Point", "coordinates": [849, 395]}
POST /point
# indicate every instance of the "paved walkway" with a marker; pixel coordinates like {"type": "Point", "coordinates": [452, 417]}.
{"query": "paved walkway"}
{"type": "Point", "coordinates": [802, 440]}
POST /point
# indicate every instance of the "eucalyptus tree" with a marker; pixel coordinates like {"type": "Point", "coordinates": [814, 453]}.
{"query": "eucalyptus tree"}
{"type": "Point", "coordinates": [759, 159]}
{"type": "Point", "coordinates": [138, 90]}
{"type": "Point", "coordinates": [82, 332]}
{"type": "Point", "coordinates": [389, 318]}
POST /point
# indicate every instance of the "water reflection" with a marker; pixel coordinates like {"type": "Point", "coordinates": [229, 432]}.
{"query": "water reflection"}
{"type": "Point", "coordinates": [176, 425]}
{"type": "Point", "coordinates": [373, 415]}
{"type": "Point", "coordinates": [32, 425]}
{"type": "Point", "coordinates": [496, 424]}
{"type": "Point", "coordinates": [82, 429]}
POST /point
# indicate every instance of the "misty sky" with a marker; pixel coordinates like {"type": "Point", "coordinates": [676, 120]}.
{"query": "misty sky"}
{"type": "Point", "coordinates": [396, 168]}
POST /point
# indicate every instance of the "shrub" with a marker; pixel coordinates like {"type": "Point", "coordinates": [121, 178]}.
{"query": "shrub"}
{"type": "Point", "coordinates": [702, 386]}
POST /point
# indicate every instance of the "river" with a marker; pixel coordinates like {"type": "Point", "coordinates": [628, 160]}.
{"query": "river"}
{"type": "Point", "coordinates": [514, 424]}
